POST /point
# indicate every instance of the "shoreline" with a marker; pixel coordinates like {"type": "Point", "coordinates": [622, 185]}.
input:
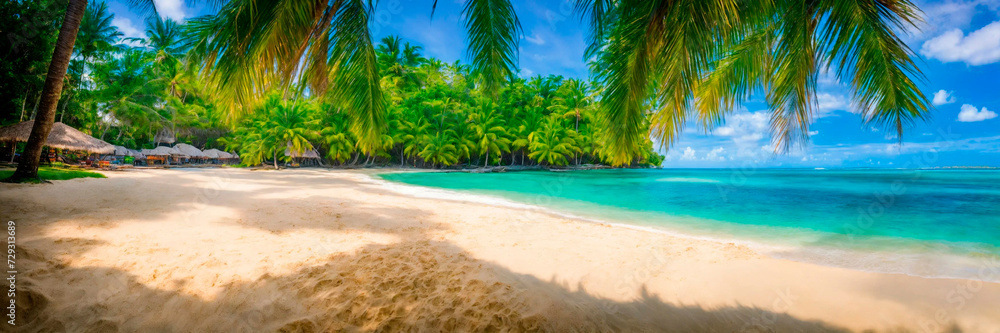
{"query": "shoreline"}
{"type": "Point", "coordinates": [335, 250]}
{"type": "Point", "coordinates": [792, 252]}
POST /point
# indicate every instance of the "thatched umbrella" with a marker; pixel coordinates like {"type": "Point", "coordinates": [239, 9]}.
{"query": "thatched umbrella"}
{"type": "Point", "coordinates": [61, 136]}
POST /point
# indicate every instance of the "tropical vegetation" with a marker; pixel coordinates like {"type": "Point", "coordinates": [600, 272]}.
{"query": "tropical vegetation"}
{"type": "Point", "coordinates": [264, 76]}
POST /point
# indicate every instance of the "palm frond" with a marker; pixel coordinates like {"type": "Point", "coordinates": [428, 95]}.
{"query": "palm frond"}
{"type": "Point", "coordinates": [493, 36]}
{"type": "Point", "coordinates": [355, 74]}
{"type": "Point", "coordinates": [861, 41]}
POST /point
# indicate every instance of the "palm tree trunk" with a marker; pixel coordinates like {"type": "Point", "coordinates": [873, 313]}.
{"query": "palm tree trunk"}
{"type": "Point", "coordinates": [487, 157]}
{"type": "Point", "coordinates": [28, 168]}
{"type": "Point", "coordinates": [34, 110]}
{"type": "Point", "coordinates": [69, 96]}
{"type": "Point", "coordinates": [23, 102]}
{"type": "Point", "coordinates": [275, 159]}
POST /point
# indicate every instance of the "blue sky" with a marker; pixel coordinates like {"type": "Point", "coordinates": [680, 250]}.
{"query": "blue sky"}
{"type": "Point", "coordinates": [958, 49]}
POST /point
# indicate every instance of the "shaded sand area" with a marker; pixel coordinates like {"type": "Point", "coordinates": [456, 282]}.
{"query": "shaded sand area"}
{"type": "Point", "coordinates": [313, 251]}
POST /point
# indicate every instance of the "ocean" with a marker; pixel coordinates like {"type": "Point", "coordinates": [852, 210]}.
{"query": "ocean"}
{"type": "Point", "coordinates": [933, 223]}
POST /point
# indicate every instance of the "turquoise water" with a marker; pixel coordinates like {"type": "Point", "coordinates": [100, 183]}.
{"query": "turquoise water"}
{"type": "Point", "coordinates": [948, 212]}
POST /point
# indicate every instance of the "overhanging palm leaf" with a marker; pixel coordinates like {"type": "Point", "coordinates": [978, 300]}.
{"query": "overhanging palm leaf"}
{"type": "Point", "coordinates": [705, 57]}
{"type": "Point", "coordinates": [494, 32]}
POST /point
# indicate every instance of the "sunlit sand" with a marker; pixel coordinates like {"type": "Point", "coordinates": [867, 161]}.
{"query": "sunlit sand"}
{"type": "Point", "coordinates": [314, 250]}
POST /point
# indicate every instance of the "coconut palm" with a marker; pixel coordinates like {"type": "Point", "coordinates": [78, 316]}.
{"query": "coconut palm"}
{"type": "Point", "coordinates": [490, 131]}
{"type": "Point", "coordinates": [412, 135]}
{"type": "Point", "coordinates": [552, 144]}
{"type": "Point", "coordinates": [27, 169]}
{"type": "Point", "coordinates": [700, 59]}
{"type": "Point", "coordinates": [312, 42]}
{"type": "Point", "coordinates": [440, 151]}
{"type": "Point", "coordinates": [127, 92]}
{"type": "Point", "coordinates": [338, 139]}
{"type": "Point", "coordinates": [97, 33]}
{"type": "Point", "coordinates": [164, 38]}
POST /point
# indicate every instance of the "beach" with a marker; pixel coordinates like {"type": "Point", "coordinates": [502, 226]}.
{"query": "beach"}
{"type": "Point", "coordinates": [314, 250]}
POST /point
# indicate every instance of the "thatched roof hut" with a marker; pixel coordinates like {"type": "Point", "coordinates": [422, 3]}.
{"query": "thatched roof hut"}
{"type": "Point", "coordinates": [212, 153]}
{"type": "Point", "coordinates": [215, 153]}
{"type": "Point", "coordinates": [122, 151]}
{"type": "Point", "coordinates": [160, 151]}
{"type": "Point", "coordinates": [61, 136]}
{"type": "Point", "coordinates": [189, 150]}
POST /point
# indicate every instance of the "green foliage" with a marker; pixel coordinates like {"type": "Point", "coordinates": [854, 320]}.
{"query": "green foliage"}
{"type": "Point", "coordinates": [274, 127]}
{"type": "Point", "coordinates": [55, 173]}
{"type": "Point", "coordinates": [28, 31]}
{"type": "Point", "coordinates": [665, 61]}
{"type": "Point", "coordinates": [435, 118]}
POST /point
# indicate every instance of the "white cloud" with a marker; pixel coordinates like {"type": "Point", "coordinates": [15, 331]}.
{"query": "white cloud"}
{"type": "Point", "coordinates": [127, 27]}
{"type": "Point", "coordinates": [828, 103]}
{"type": "Point", "coordinates": [716, 154]}
{"type": "Point", "coordinates": [943, 97]}
{"type": "Point", "coordinates": [688, 154]}
{"type": "Point", "coordinates": [535, 39]}
{"type": "Point", "coordinates": [724, 131]}
{"type": "Point", "coordinates": [970, 114]}
{"type": "Point", "coordinates": [979, 47]}
{"type": "Point", "coordinates": [811, 133]}
{"type": "Point", "coordinates": [173, 9]}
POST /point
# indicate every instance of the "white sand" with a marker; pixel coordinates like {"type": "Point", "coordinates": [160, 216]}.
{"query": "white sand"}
{"type": "Point", "coordinates": [310, 250]}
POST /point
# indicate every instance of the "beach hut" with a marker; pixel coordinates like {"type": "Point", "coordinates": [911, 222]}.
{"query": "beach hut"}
{"type": "Point", "coordinates": [218, 156]}
{"type": "Point", "coordinates": [190, 151]}
{"type": "Point", "coordinates": [127, 156]}
{"type": "Point", "coordinates": [62, 136]}
{"type": "Point", "coordinates": [159, 154]}
{"type": "Point", "coordinates": [308, 157]}
{"type": "Point", "coordinates": [214, 155]}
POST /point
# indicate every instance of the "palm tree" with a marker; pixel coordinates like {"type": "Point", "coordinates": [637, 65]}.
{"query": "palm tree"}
{"type": "Point", "coordinates": [492, 136]}
{"type": "Point", "coordinates": [389, 56]}
{"type": "Point", "coordinates": [552, 144]}
{"type": "Point", "coordinates": [695, 58]}
{"type": "Point", "coordinates": [27, 169]}
{"type": "Point", "coordinates": [411, 136]}
{"type": "Point", "coordinates": [127, 91]}
{"type": "Point", "coordinates": [412, 56]}
{"type": "Point", "coordinates": [440, 151]}
{"type": "Point", "coordinates": [164, 38]}
{"type": "Point", "coordinates": [310, 42]}
{"type": "Point", "coordinates": [97, 33]}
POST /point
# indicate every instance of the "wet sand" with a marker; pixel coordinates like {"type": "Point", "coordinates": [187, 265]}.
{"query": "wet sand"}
{"type": "Point", "coordinates": [313, 250]}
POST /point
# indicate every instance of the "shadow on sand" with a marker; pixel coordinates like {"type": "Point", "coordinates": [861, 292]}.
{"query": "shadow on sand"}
{"type": "Point", "coordinates": [416, 283]}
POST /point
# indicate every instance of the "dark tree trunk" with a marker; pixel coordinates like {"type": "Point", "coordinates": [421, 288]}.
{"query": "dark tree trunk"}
{"type": "Point", "coordinates": [28, 168]}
